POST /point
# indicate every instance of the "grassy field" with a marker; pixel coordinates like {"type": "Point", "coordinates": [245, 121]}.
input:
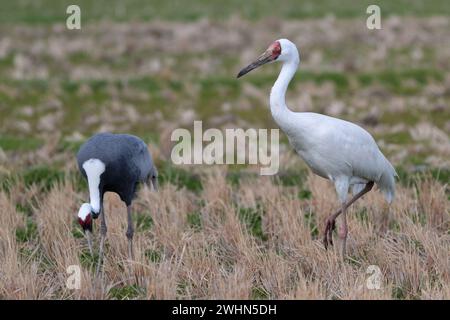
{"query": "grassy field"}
{"type": "Point", "coordinates": [222, 232]}
{"type": "Point", "coordinates": [53, 11]}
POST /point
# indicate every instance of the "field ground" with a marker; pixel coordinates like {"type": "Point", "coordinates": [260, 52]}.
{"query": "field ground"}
{"type": "Point", "coordinates": [222, 232]}
{"type": "Point", "coordinates": [252, 238]}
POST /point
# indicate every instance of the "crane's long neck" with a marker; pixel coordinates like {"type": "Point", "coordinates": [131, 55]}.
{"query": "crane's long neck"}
{"type": "Point", "coordinates": [278, 107]}
{"type": "Point", "coordinates": [94, 195]}
{"type": "Point", "coordinates": [94, 169]}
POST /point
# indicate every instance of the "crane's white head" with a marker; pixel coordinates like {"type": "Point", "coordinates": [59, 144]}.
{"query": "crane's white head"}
{"type": "Point", "coordinates": [85, 217]}
{"type": "Point", "coordinates": [280, 50]}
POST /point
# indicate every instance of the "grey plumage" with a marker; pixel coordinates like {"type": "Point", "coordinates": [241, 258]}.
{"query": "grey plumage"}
{"type": "Point", "coordinates": [127, 163]}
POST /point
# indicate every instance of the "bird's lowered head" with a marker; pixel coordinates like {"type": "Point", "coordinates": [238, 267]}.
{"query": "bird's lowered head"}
{"type": "Point", "coordinates": [85, 217]}
{"type": "Point", "coordinates": [280, 50]}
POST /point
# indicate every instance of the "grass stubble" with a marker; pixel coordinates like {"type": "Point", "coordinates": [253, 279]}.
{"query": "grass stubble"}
{"type": "Point", "coordinates": [258, 238]}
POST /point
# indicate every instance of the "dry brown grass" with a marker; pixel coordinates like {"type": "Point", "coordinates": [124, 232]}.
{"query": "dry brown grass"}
{"type": "Point", "coordinates": [223, 257]}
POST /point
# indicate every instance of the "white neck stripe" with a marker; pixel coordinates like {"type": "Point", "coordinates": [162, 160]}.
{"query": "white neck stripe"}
{"type": "Point", "coordinates": [94, 168]}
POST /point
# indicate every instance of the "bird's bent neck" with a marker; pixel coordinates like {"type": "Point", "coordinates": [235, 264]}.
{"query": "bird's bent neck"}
{"type": "Point", "coordinates": [94, 197]}
{"type": "Point", "coordinates": [278, 107]}
{"type": "Point", "coordinates": [94, 169]}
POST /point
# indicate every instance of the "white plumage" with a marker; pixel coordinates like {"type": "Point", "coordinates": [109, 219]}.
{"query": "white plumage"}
{"type": "Point", "coordinates": [340, 151]}
{"type": "Point", "coordinates": [335, 149]}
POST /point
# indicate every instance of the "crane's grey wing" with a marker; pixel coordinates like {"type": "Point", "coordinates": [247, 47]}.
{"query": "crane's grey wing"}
{"type": "Point", "coordinates": [143, 160]}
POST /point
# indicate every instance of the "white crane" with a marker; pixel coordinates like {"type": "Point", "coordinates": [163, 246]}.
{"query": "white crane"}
{"type": "Point", "coordinates": [334, 149]}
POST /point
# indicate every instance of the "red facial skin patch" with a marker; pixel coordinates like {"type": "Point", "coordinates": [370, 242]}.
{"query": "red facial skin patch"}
{"type": "Point", "coordinates": [275, 48]}
{"type": "Point", "coordinates": [86, 223]}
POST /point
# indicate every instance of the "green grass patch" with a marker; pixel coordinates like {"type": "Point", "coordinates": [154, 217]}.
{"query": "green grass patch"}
{"type": "Point", "coordinates": [70, 87]}
{"type": "Point", "coordinates": [146, 84]}
{"type": "Point", "coordinates": [7, 61]}
{"type": "Point", "coordinates": [153, 255]}
{"type": "Point", "coordinates": [28, 232]}
{"type": "Point", "coordinates": [80, 57]}
{"type": "Point", "coordinates": [310, 219]}
{"type": "Point", "coordinates": [144, 221]}
{"type": "Point", "coordinates": [7, 181]}
{"type": "Point", "coordinates": [399, 293]}
{"type": "Point", "coordinates": [398, 81]}
{"type": "Point", "coordinates": [182, 286]}
{"type": "Point", "coordinates": [393, 118]}
{"type": "Point", "coordinates": [252, 219]}
{"type": "Point", "coordinates": [25, 208]}
{"type": "Point", "coordinates": [77, 232]}
{"type": "Point", "coordinates": [54, 11]}
{"type": "Point", "coordinates": [194, 220]}
{"type": "Point", "coordinates": [402, 137]}
{"type": "Point", "coordinates": [291, 178]}
{"type": "Point", "coordinates": [26, 253]}
{"type": "Point", "coordinates": [179, 177]}
{"type": "Point", "coordinates": [394, 225]}
{"type": "Point", "coordinates": [362, 215]}
{"type": "Point", "coordinates": [304, 194]}
{"type": "Point", "coordinates": [43, 176]}
{"type": "Point", "coordinates": [88, 260]}
{"type": "Point", "coordinates": [441, 175]}
{"type": "Point", "coordinates": [234, 177]}
{"type": "Point", "coordinates": [71, 146]}
{"type": "Point", "coordinates": [126, 292]}
{"type": "Point", "coordinates": [11, 143]}
{"type": "Point", "coordinates": [259, 293]}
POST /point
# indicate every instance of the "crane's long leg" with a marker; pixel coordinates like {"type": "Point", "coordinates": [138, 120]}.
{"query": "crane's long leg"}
{"type": "Point", "coordinates": [331, 221]}
{"type": "Point", "coordinates": [89, 241]}
{"type": "Point", "coordinates": [130, 233]}
{"type": "Point", "coordinates": [103, 230]}
{"type": "Point", "coordinates": [343, 231]}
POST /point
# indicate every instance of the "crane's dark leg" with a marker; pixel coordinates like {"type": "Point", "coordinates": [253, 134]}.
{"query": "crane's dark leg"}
{"type": "Point", "coordinates": [103, 230]}
{"type": "Point", "coordinates": [130, 233]}
{"type": "Point", "coordinates": [331, 221]}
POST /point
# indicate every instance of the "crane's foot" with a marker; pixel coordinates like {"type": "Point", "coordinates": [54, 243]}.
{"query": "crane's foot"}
{"type": "Point", "coordinates": [328, 233]}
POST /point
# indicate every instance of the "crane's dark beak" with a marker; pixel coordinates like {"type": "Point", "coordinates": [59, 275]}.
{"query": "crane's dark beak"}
{"type": "Point", "coordinates": [262, 59]}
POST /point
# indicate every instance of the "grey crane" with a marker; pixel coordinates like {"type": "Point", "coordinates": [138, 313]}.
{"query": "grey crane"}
{"type": "Point", "coordinates": [113, 163]}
